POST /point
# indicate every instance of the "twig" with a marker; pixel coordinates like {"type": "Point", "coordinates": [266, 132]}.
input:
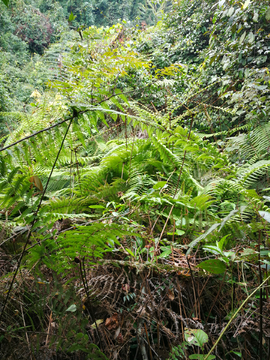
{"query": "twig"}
{"type": "Point", "coordinates": [49, 328]}
{"type": "Point", "coordinates": [142, 346]}
{"type": "Point", "coordinates": [147, 337]}
{"type": "Point", "coordinates": [86, 289]}
{"type": "Point", "coordinates": [214, 302]}
{"type": "Point", "coordinates": [196, 296]}
{"type": "Point", "coordinates": [26, 334]}
{"type": "Point", "coordinates": [164, 227]}
{"type": "Point", "coordinates": [184, 158]}
{"type": "Point", "coordinates": [234, 316]}
{"type": "Point", "coordinates": [261, 300]}
{"type": "Point", "coordinates": [63, 121]}
{"type": "Point", "coordinates": [165, 207]}
{"type": "Point", "coordinates": [37, 132]}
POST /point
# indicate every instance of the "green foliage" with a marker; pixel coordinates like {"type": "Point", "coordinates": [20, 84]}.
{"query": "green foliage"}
{"type": "Point", "coordinates": [168, 150]}
{"type": "Point", "coordinates": [34, 28]}
{"type": "Point", "coordinates": [213, 266]}
{"type": "Point", "coordinates": [193, 337]}
{"type": "Point", "coordinates": [92, 241]}
{"type": "Point", "coordinates": [6, 2]}
{"type": "Point", "coordinates": [242, 36]}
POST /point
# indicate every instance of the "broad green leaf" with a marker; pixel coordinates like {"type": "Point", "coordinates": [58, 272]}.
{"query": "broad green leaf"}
{"type": "Point", "coordinates": [165, 253]}
{"type": "Point", "coordinates": [177, 232]}
{"type": "Point", "coordinates": [79, 336]}
{"type": "Point", "coordinates": [196, 356]}
{"type": "Point", "coordinates": [72, 308]}
{"type": "Point", "coordinates": [201, 356]}
{"type": "Point", "coordinates": [237, 353]}
{"type": "Point", "coordinates": [201, 337]}
{"type": "Point", "coordinates": [130, 252]}
{"type": "Point", "coordinates": [105, 122]}
{"type": "Point", "coordinates": [6, 2]}
{"type": "Point", "coordinates": [159, 185]}
{"type": "Point", "coordinates": [248, 252]}
{"type": "Point", "coordinates": [234, 28]}
{"type": "Point", "coordinates": [97, 207]}
{"type": "Point", "coordinates": [229, 255]}
{"type": "Point", "coordinates": [221, 242]}
{"type": "Point", "coordinates": [213, 249]}
{"type": "Point", "coordinates": [247, 2]}
{"type": "Point", "coordinates": [212, 59]}
{"type": "Point", "coordinates": [267, 14]}
{"type": "Point", "coordinates": [196, 337]}
{"type": "Point", "coordinates": [251, 37]}
{"type": "Point", "coordinates": [265, 215]}
{"type": "Point", "coordinates": [255, 17]}
{"type": "Point", "coordinates": [213, 266]}
{"type": "Point", "coordinates": [242, 38]}
{"type": "Point", "coordinates": [71, 17]}
{"type": "Point", "coordinates": [231, 11]}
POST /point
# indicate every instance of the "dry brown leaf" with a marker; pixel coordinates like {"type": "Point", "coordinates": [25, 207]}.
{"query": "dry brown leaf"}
{"type": "Point", "coordinates": [112, 322]}
{"type": "Point", "coordinates": [170, 294]}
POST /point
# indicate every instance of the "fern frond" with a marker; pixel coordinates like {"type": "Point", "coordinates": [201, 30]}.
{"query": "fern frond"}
{"type": "Point", "coordinates": [92, 241]}
{"type": "Point", "coordinates": [250, 174]}
{"type": "Point", "coordinates": [166, 154]}
{"type": "Point", "coordinates": [65, 205]}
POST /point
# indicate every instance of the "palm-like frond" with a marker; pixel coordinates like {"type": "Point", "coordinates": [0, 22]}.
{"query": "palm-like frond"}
{"type": "Point", "coordinates": [253, 144]}
{"type": "Point", "coordinates": [248, 175]}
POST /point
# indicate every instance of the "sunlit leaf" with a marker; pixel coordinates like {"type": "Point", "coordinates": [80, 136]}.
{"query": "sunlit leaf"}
{"type": "Point", "coordinates": [267, 14]}
{"type": "Point", "coordinates": [71, 17]}
{"type": "Point", "coordinates": [247, 2]}
{"type": "Point", "coordinates": [201, 357]}
{"type": "Point", "coordinates": [177, 232]}
{"type": "Point", "coordinates": [165, 253]}
{"type": "Point", "coordinates": [37, 182]}
{"type": "Point", "coordinates": [130, 252]}
{"type": "Point", "coordinates": [72, 308]}
{"type": "Point", "coordinates": [265, 215]}
{"type": "Point", "coordinates": [159, 185]}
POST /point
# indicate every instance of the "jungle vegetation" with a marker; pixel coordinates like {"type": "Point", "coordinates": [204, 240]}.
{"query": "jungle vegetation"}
{"type": "Point", "coordinates": [134, 179]}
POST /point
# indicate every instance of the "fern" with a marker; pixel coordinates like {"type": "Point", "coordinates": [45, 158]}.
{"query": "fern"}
{"type": "Point", "coordinates": [92, 241]}
{"type": "Point", "coordinates": [65, 205]}
{"type": "Point", "coordinates": [166, 155]}
{"type": "Point", "coordinates": [253, 144]}
{"type": "Point", "coordinates": [249, 174]}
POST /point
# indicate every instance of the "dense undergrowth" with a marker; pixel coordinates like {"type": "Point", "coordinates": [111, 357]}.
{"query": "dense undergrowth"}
{"type": "Point", "coordinates": [135, 191]}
